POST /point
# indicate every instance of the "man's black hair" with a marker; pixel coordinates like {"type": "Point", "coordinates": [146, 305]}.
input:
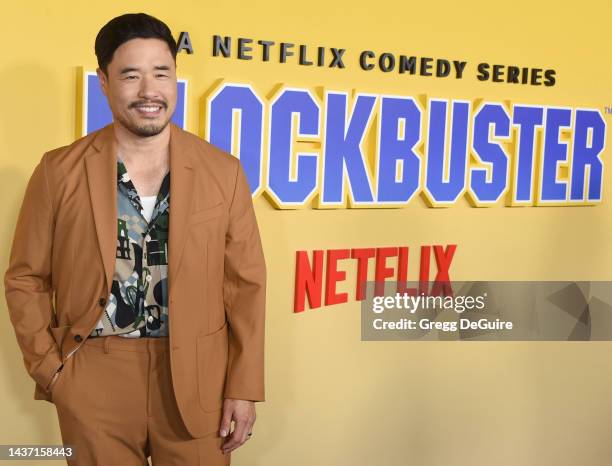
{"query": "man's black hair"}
{"type": "Point", "coordinates": [126, 27]}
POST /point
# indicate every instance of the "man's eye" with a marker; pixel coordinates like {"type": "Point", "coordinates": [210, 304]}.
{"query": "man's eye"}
{"type": "Point", "coordinates": [162, 75]}
{"type": "Point", "coordinates": [131, 77]}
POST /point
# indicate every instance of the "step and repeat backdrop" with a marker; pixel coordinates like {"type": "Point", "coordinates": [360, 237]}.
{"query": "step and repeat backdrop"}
{"type": "Point", "coordinates": [432, 191]}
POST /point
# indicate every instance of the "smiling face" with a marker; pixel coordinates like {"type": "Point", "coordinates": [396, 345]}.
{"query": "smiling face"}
{"type": "Point", "coordinates": [140, 85]}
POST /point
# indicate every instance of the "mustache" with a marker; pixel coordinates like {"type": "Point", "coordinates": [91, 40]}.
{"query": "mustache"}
{"type": "Point", "coordinates": [161, 103]}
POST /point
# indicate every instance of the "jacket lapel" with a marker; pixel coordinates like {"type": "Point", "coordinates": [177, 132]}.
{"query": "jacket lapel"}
{"type": "Point", "coordinates": [181, 194]}
{"type": "Point", "coordinates": [101, 168]}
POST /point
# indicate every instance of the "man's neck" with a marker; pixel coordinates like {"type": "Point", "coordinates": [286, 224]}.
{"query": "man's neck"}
{"type": "Point", "coordinates": [150, 150]}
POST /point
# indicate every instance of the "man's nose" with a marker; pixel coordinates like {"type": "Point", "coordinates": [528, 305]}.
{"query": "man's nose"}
{"type": "Point", "coordinates": [147, 88]}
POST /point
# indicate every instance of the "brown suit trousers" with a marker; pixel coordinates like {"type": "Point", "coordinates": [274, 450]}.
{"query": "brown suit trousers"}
{"type": "Point", "coordinates": [116, 406]}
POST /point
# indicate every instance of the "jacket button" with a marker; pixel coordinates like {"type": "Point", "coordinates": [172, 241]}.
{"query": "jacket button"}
{"type": "Point", "coordinates": [102, 302]}
{"type": "Point", "coordinates": [78, 338]}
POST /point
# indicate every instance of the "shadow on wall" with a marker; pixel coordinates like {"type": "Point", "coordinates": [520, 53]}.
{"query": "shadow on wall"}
{"type": "Point", "coordinates": [32, 94]}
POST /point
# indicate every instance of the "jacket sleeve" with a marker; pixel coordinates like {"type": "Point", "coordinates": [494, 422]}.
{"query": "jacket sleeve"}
{"type": "Point", "coordinates": [27, 281]}
{"type": "Point", "coordinates": [244, 295]}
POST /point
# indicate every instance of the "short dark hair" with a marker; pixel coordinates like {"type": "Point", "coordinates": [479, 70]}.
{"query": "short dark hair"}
{"type": "Point", "coordinates": [126, 27]}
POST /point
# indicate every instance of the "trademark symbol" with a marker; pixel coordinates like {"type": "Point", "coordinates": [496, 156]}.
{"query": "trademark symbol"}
{"type": "Point", "coordinates": [608, 110]}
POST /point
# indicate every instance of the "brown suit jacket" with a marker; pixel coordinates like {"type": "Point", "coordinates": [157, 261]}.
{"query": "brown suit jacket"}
{"type": "Point", "coordinates": [63, 259]}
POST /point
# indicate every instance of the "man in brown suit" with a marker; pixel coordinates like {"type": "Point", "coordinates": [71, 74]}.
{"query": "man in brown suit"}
{"type": "Point", "coordinates": [136, 282]}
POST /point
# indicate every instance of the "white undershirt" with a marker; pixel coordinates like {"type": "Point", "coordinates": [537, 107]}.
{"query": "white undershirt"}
{"type": "Point", "coordinates": [148, 203]}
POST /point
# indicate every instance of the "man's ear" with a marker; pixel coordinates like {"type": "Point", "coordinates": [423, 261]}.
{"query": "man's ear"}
{"type": "Point", "coordinates": [103, 79]}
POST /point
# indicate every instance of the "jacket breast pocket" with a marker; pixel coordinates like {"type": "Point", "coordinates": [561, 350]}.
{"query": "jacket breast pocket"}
{"type": "Point", "coordinates": [212, 351]}
{"type": "Point", "coordinates": [204, 215]}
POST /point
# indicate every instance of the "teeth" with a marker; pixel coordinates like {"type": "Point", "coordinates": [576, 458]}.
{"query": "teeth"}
{"type": "Point", "coordinates": [148, 109]}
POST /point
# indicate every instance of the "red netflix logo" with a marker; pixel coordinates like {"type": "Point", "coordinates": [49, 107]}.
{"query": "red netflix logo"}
{"type": "Point", "coordinates": [309, 274]}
